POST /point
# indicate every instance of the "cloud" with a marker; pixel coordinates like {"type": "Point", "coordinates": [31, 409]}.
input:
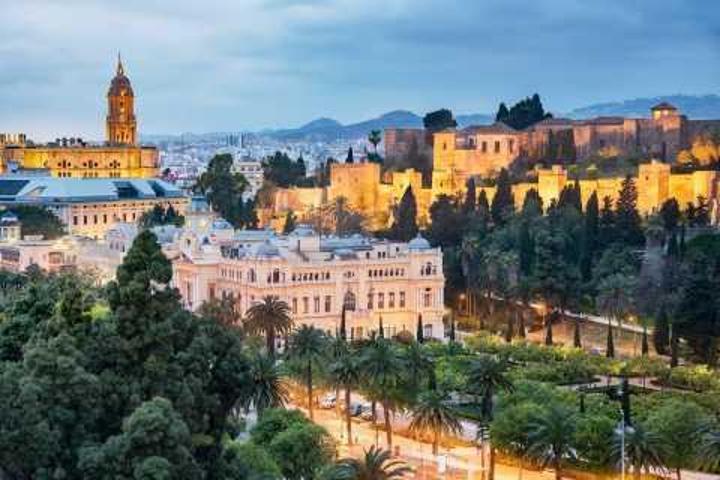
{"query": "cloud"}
{"type": "Point", "coordinates": [250, 64]}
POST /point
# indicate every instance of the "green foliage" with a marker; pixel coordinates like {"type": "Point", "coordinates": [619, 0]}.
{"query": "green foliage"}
{"type": "Point", "coordinates": [280, 170]}
{"type": "Point", "coordinates": [439, 120]}
{"type": "Point", "coordinates": [302, 450]}
{"type": "Point", "coordinates": [248, 461]}
{"type": "Point", "coordinates": [37, 220]}
{"type": "Point", "coordinates": [523, 114]}
{"type": "Point", "coordinates": [405, 227]}
{"type": "Point", "coordinates": [161, 216]}
{"type": "Point", "coordinates": [224, 190]}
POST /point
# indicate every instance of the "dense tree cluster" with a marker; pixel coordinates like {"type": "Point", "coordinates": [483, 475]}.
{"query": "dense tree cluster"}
{"type": "Point", "coordinates": [161, 216]}
{"type": "Point", "coordinates": [282, 171]}
{"type": "Point", "coordinates": [439, 120]}
{"type": "Point", "coordinates": [524, 113]}
{"type": "Point", "coordinates": [36, 220]}
{"type": "Point", "coordinates": [224, 190]}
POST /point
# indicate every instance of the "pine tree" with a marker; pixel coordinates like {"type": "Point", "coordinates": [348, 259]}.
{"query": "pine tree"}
{"type": "Point", "coordinates": [470, 197]}
{"type": "Point", "coordinates": [627, 217]}
{"type": "Point", "coordinates": [590, 237]}
{"type": "Point", "coordinates": [405, 226]}
{"type": "Point", "coordinates": [503, 203]}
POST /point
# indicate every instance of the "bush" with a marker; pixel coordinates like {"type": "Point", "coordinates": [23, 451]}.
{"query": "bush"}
{"type": "Point", "coordinates": [698, 378]}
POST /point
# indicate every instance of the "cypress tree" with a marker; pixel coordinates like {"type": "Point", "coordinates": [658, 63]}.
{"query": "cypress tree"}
{"type": "Point", "coordinates": [532, 204]}
{"type": "Point", "coordinates": [526, 246]}
{"type": "Point", "coordinates": [645, 345]}
{"type": "Point", "coordinates": [381, 329]}
{"type": "Point", "coordinates": [590, 237]}
{"type": "Point", "coordinates": [350, 157]}
{"type": "Point", "coordinates": [343, 328]}
{"type": "Point", "coordinates": [502, 113]}
{"type": "Point", "coordinates": [470, 197]}
{"type": "Point", "coordinates": [503, 203]}
{"type": "Point", "coordinates": [482, 203]}
{"type": "Point", "coordinates": [521, 327]}
{"type": "Point", "coordinates": [606, 224]}
{"type": "Point", "coordinates": [661, 333]}
{"type": "Point", "coordinates": [610, 350]}
{"type": "Point", "coordinates": [549, 333]}
{"type": "Point", "coordinates": [627, 217]}
{"type": "Point", "coordinates": [290, 222]}
{"type": "Point", "coordinates": [577, 340]}
{"type": "Point", "coordinates": [405, 226]}
{"type": "Point", "coordinates": [452, 328]}
{"type": "Point", "coordinates": [419, 332]}
{"type": "Point", "coordinates": [674, 348]}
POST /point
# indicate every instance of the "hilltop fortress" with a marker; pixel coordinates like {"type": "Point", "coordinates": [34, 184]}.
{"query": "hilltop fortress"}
{"type": "Point", "coordinates": [481, 151]}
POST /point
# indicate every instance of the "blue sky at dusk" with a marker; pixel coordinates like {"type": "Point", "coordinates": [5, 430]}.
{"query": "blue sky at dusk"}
{"type": "Point", "coordinates": [229, 65]}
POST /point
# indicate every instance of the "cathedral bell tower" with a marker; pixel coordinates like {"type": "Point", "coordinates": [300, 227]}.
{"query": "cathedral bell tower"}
{"type": "Point", "coordinates": [121, 126]}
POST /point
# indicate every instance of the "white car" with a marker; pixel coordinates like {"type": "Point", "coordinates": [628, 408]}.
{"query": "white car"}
{"type": "Point", "coordinates": [328, 401]}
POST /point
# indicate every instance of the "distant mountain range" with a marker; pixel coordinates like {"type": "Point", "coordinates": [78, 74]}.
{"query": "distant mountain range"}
{"type": "Point", "coordinates": [328, 129]}
{"type": "Point", "coordinates": [694, 106]}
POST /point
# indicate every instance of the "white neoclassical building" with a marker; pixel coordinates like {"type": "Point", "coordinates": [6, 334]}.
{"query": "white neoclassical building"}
{"type": "Point", "coordinates": [400, 282]}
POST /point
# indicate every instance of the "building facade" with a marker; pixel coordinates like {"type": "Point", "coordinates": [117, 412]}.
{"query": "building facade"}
{"type": "Point", "coordinates": [120, 156]}
{"type": "Point", "coordinates": [402, 283]}
{"type": "Point", "coordinates": [90, 207]}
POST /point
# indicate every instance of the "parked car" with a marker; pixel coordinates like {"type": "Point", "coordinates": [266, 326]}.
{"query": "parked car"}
{"type": "Point", "coordinates": [328, 401]}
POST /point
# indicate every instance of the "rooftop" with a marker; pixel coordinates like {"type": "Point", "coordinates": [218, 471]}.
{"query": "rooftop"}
{"type": "Point", "coordinates": [33, 189]}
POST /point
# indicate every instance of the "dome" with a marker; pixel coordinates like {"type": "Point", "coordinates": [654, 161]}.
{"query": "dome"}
{"type": "Point", "coordinates": [267, 249]}
{"type": "Point", "coordinates": [120, 84]}
{"type": "Point", "coordinates": [419, 243]}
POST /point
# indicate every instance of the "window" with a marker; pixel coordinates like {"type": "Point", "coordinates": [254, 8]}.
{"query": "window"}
{"type": "Point", "coordinates": [84, 219]}
{"type": "Point", "coordinates": [381, 300]}
{"type": "Point", "coordinates": [391, 300]}
{"type": "Point", "coordinates": [75, 220]}
{"type": "Point", "coordinates": [294, 306]}
{"type": "Point", "coordinates": [104, 217]}
{"type": "Point", "coordinates": [328, 303]}
{"type": "Point", "coordinates": [511, 145]}
{"type": "Point", "coordinates": [402, 300]}
{"type": "Point", "coordinates": [370, 301]}
{"type": "Point", "coordinates": [316, 304]}
{"type": "Point", "coordinates": [306, 304]}
{"type": "Point", "coordinates": [349, 301]}
{"type": "Point", "coordinates": [497, 146]}
{"type": "Point", "coordinates": [427, 298]}
{"type": "Point", "coordinates": [483, 148]}
{"type": "Point", "coordinates": [428, 330]}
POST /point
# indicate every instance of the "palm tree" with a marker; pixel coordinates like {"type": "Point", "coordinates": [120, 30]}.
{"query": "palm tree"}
{"type": "Point", "coordinates": [375, 138]}
{"type": "Point", "coordinates": [308, 347]}
{"type": "Point", "coordinates": [382, 367]}
{"type": "Point", "coordinates": [642, 450]}
{"type": "Point", "coordinates": [709, 451]}
{"type": "Point", "coordinates": [270, 317]}
{"type": "Point", "coordinates": [345, 373]}
{"type": "Point", "coordinates": [488, 375]}
{"type": "Point", "coordinates": [266, 388]}
{"type": "Point", "coordinates": [376, 464]}
{"type": "Point", "coordinates": [433, 415]}
{"type": "Point", "coordinates": [550, 436]}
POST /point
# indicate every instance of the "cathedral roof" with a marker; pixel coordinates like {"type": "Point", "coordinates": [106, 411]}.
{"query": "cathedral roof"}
{"type": "Point", "coordinates": [664, 106]}
{"type": "Point", "coordinates": [120, 83]}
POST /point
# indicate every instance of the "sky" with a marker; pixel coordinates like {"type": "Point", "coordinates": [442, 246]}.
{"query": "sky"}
{"type": "Point", "coordinates": [231, 65]}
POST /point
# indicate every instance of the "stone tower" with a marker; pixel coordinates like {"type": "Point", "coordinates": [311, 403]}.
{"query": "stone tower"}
{"type": "Point", "coordinates": [121, 125]}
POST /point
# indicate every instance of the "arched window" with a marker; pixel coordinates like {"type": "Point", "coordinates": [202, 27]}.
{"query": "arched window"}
{"type": "Point", "coordinates": [349, 301]}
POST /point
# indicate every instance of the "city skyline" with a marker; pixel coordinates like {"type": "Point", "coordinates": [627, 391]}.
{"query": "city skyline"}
{"type": "Point", "coordinates": [282, 63]}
